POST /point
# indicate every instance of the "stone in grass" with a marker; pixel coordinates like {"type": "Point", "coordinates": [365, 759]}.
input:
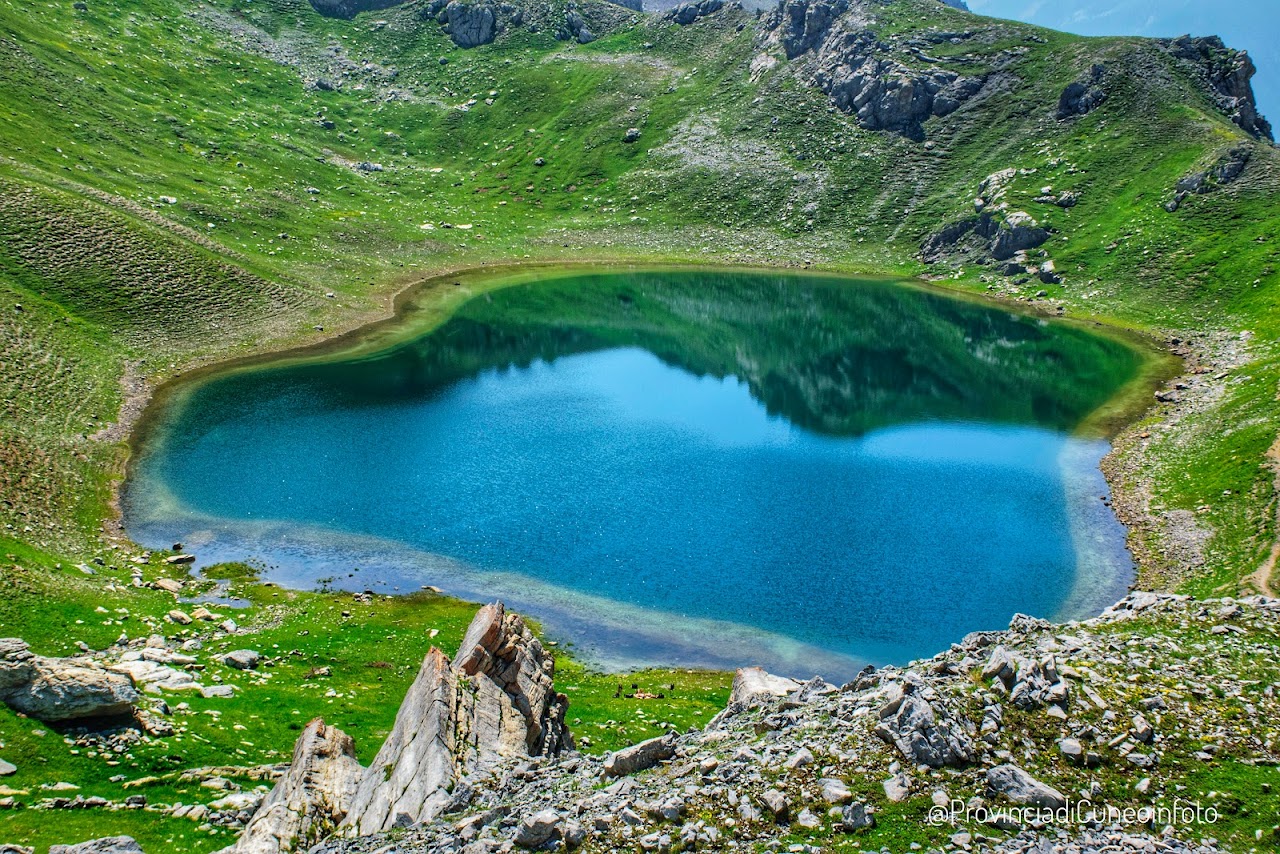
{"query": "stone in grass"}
{"type": "Point", "coordinates": [808, 819]}
{"type": "Point", "coordinates": [242, 659]}
{"type": "Point", "coordinates": [801, 758]}
{"type": "Point", "coordinates": [835, 791]}
{"type": "Point", "coordinates": [897, 787]}
{"type": "Point", "coordinates": [106, 845]}
{"type": "Point", "coordinates": [1021, 788]}
{"type": "Point", "coordinates": [776, 803]}
{"type": "Point", "coordinates": [855, 817]}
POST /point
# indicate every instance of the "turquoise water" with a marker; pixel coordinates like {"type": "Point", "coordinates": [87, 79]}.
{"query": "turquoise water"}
{"type": "Point", "coordinates": [692, 468]}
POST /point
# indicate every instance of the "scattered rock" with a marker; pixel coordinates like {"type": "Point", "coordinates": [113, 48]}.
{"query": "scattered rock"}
{"type": "Point", "coordinates": [60, 689]}
{"type": "Point", "coordinates": [777, 805]}
{"type": "Point", "coordinates": [897, 788]}
{"type": "Point", "coordinates": [537, 830]}
{"type": "Point", "coordinates": [105, 845]}
{"type": "Point", "coordinates": [856, 817]}
{"type": "Point", "coordinates": [242, 659]}
{"type": "Point", "coordinates": [640, 757]}
{"type": "Point", "coordinates": [1021, 788]}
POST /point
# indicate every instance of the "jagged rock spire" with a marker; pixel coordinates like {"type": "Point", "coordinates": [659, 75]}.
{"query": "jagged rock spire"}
{"type": "Point", "coordinates": [495, 701]}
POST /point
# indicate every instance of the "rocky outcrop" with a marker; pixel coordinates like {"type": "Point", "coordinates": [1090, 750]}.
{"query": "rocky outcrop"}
{"type": "Point", "coordinates": [1226, 169]}
{"type": "Point", "coordinates": [577, 26]}
{"type": "Point", "coordinates": [105, 845]}
{"type": "Point", "coordinates": [924, 733]}
{"type": "Point", "coordinates": [1030, 684]}
{"type": "Point", "coordinates": [860, 72]}
{"type": "Point", "coordinates": [61, 689]}
{"type": "Point", "coordinates": [687, 13]}
{"type": "Point", "coordinates": [350, 8]}
{"type": "Point", "coordinates": [470, 24]}
{"type": "Point", "coordinates": [801, 25]}
{"type": "Point", "coordinates": [803, 756]}
{"type": "Point", "coordinates": [1083, 95]}
{"type": "Point", "coordinates": [311, 799]}
{"type": "Point", "coordinates": [1226, 75]}
{"type": "Point", "coordinates": [494, 702]}
{"type": "Point", "coordinates": [985, 237]}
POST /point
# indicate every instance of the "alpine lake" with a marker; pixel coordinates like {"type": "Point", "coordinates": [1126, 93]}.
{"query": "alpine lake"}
{"type": "Point", "coordinates": [689, 467]}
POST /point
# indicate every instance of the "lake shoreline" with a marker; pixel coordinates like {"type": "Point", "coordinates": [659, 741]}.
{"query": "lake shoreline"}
{"type": "Point", "coordinates": [429, 295]}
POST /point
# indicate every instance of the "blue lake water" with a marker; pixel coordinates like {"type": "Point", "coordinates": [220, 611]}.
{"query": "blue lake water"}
{"type": "Point", "coordinates": [680, 468]}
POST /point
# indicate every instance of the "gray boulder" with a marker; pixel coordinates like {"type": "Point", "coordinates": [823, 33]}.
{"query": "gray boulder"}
{"type": "Point", "coordinates": [578, 28]}
{"type": "Point", "coordinates": [105, 845]}
{"type": "Point", "coordinates": [1020, 787]}
{"type": "Point", "coordinates": [1083, 95]}
{"type": "Point", "coordinates": [242, 659]}
{"type": "Point", "coordinates": [855, 817]}
{"type": "Point", "coordinates": [639, 757]}
{"type": "Point", "coordinates": [470, 24]}
{"type": "Point", "coordinates": [686, 13]}
{"type": "Point", "coordinates": [61, 689]}
{"type": "Point", "coordinates": [923, 733]}
{"type": "Point", "coordinates": [538, 829]}
{"type": "Point", "coordinates": [311, 799]}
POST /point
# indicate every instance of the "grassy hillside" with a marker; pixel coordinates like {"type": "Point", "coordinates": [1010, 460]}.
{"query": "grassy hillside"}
{"type": "Point", "coordinates": [181, 182]}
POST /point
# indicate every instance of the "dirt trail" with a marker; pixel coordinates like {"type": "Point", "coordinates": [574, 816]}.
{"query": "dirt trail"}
{"type": "Point", "coordinates": [1261, 578]}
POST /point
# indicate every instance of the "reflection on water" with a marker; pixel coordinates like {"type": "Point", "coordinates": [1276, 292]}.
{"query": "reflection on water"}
{"type": "Point", "coordinates": [686, 467]}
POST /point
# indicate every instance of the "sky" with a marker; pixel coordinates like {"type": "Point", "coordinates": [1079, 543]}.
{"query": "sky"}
{"type": "Point", "coordinates": [1253, 25]}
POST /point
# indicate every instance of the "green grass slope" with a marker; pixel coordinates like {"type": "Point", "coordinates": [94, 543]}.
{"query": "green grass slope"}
{"type": "Point", "coordinates": [182, 182]}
